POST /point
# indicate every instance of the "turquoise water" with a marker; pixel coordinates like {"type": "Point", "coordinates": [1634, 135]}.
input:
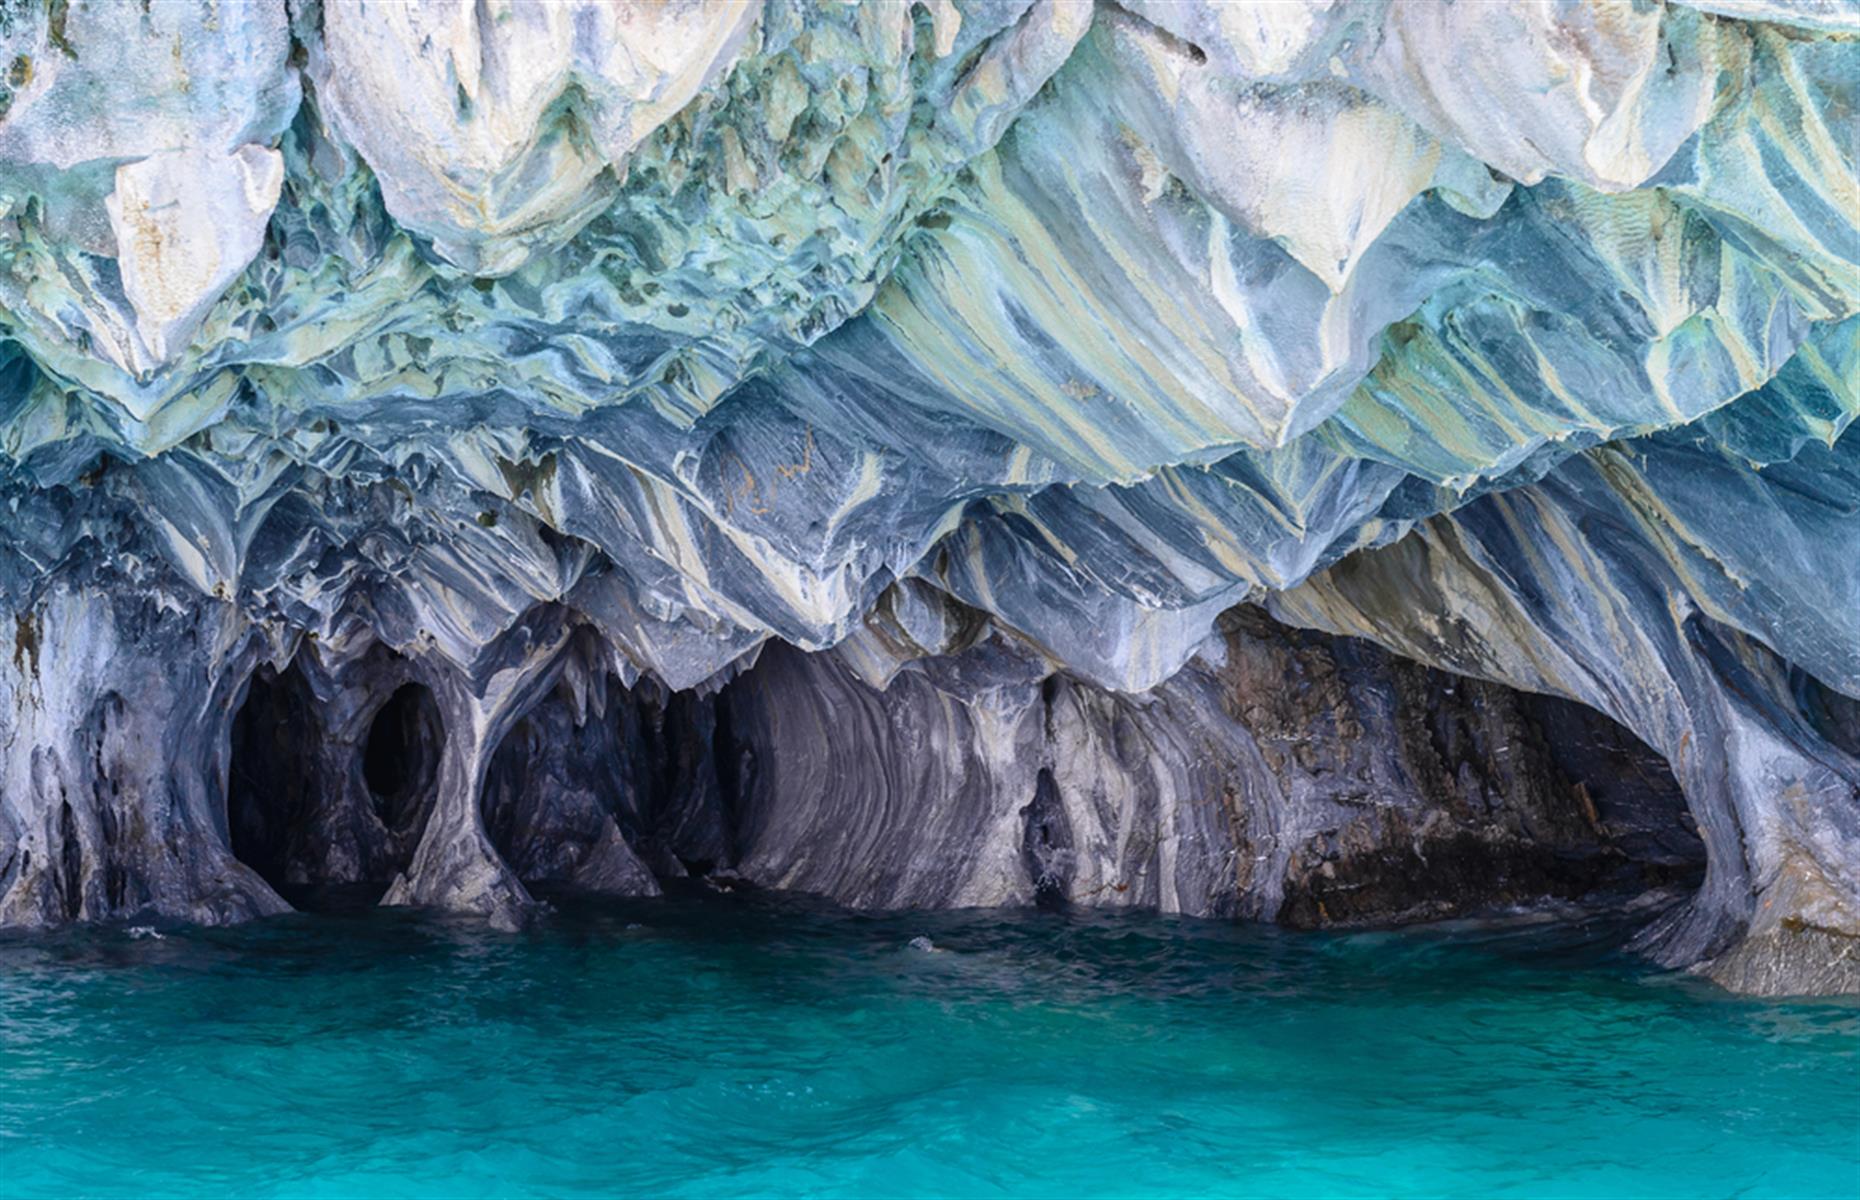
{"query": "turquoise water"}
{"type": "Point", "coordinates": [747, 1047]}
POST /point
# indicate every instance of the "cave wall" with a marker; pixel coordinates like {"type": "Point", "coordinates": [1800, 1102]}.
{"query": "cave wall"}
{"type": "Point", "coordinates": [115, 715]}
{"type": "Point", "coordinates": [1282, 776]}
{"type": "Point", "coordinates": [910, 796]}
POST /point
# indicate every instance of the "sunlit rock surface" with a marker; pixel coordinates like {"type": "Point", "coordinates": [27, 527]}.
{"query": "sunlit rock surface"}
{"type": "Point", "coordinates": [583, 367]}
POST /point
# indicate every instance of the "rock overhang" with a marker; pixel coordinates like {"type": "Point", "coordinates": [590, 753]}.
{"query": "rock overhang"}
{"type": "Point", "coordinates": [1094, 320]}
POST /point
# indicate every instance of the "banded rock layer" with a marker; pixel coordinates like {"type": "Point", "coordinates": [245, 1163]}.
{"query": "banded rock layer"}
{"type": "Point", "coordinates": [581, 367]}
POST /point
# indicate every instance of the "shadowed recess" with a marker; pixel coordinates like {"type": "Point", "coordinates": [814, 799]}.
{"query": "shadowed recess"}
{"type": "Point", "coordinates": [400, 762]}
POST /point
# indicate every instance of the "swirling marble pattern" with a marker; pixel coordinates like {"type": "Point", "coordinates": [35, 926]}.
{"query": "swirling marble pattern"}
{"type": "Point", "coordinates": [600, 346]}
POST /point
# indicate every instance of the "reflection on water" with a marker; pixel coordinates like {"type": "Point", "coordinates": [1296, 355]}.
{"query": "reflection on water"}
{"type": "Point", "coordinates": [753, 1045]}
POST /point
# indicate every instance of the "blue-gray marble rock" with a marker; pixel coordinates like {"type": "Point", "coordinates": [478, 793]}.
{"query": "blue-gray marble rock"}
{"type": "Point", "coordinates": [584, 367]}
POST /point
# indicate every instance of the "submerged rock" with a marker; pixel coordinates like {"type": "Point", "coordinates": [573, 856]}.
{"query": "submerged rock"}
{"type": "Point", "coordinates": [835, 443]}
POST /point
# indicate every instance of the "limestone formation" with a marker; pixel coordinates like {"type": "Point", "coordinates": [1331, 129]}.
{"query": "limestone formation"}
{"type": "Point", "coordinates": [837, 447]}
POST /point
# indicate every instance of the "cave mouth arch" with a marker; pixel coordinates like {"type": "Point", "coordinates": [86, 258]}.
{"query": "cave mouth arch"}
{"type": "Point", "coordinates": [329, 789]}
{"type": "Point", "coordinates": [400, 757]}
{"type": "Point", "coordinates": [1521, 802]}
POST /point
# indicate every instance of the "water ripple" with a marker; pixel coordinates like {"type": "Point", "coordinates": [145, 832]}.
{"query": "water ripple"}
{"type": "Point", "coordinates": [755, 1045]}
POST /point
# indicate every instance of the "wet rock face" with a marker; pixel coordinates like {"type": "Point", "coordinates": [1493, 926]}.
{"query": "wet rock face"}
{"type": "Point", "coordinates": [573, 362]}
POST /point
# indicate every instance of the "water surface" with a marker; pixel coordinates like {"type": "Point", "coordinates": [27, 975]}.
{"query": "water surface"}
{"type": "Point", "coordinates": [737, 1046]}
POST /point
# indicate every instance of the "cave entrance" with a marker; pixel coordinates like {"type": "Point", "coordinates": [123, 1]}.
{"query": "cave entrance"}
{"type": "Point", "coordinates": [328, 806]}
{"type": "Point", "coordinates": [400, 759]}
{"type": "Point", "coordinates": [270, 776]}
{"type": "Point", "coordinates": [1504, 801]}
{"type": "Point", "coordinates": [1640, 833]}
{"type": "Point", "coordinates": [557, 803]}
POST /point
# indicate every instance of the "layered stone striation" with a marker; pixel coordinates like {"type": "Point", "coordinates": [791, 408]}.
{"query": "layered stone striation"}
{"type": "Point", "coordinates": [832, 444]}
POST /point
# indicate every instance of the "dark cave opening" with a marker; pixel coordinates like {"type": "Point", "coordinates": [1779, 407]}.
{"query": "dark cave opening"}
{"type": "Point", "coordinates": [1046, 840]}
{"type": "Point", "coordinates": [551, 790]}
{"type": "Point", "coordinates": [615, 795]}
{"type": "Point", "coordinates": [1833, 715]}
{"type": "Point", "coordinates": [558, 801]}
{"type": "Point", "coordinates": [328, 806]}
{"type": "Point", "coordinates": [685, 767]}
{"type": "Point", "coordinates": [1625, 792]}
{"type": "Point", "coordinates": [1413, 794]}
{"type": "Point", "coordinates": [269, 781]}
{"type": "Point", "coordinates": [1533, 802]}
{"type": "Point", "coordinates": [400, 760]}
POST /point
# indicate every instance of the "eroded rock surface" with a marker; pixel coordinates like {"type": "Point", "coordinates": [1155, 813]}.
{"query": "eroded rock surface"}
{"type": "Point", "coordinates": [1280, 776]}
{"type": "Point", "coordinates": [589, 366]}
